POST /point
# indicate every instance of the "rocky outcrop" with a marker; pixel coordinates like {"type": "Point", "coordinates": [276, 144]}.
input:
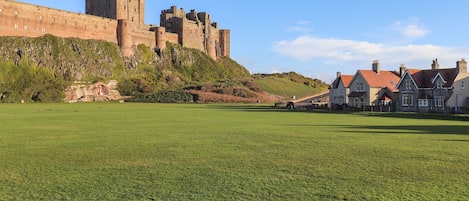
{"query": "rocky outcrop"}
{"type": "Point", "coordinates": [87, 92]}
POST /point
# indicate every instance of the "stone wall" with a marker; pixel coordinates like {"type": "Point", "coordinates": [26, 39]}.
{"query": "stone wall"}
{"type": "Point", "coordinates": [117, 21]}
{"type": "Point", "coordinates": [20, 19]}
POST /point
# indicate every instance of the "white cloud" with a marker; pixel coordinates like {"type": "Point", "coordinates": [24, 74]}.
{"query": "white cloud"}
{"type": "Point", "coordinates": [411, 28]}
{"type": "Point", "coordinates": [353, 53]}
{"type": "Point", "coordinates": [301, 26]}
{"type": "Point", "coordinates": [414, 31]}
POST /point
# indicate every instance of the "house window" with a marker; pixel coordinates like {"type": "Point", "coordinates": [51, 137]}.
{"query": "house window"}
{"type": "Point", "coordinates": [360, 87]}
{"type": "Point", "coordinates": [423, 102]}
{"type": "Point", "coordinates": [408, 84]}
{"type": "Point", "coordinates": [407, 100]}
{"type": "Point", "coordinates": [439, 84]}
{"type": "Point", "coordinates": [439, 101]}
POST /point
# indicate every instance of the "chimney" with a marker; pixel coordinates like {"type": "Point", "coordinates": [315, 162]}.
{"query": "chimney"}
{"type": "Point", "coordinates": [435, 65]}
{"type": "Point", "coordinates": [376, 66]}
{"type": "Point", "coordinates": [402, 70]}
{"type": "Point", "coordinates": [461, 66]}
{"type": "Point", "coordinates": [339, 74]}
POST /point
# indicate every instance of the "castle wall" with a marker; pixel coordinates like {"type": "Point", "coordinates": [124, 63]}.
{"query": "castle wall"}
{"type": "Point", "coordinates": [117, 21]}
{"type": "Point", "coordinates": [143, 37]}
{"type": "Point", "coordinates": [172, 37]}
{"type": "Point", "coordinates": [20, 19]}
{"type": "Point", "coordinates": [192, 35]}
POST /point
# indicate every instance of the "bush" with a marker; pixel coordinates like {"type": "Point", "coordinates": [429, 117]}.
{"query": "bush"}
{"type": "Point", "coordinates": [165, 97]}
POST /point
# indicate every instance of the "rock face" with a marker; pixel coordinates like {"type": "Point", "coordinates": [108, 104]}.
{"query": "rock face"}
{"type": "Point", "coordinates": [87, 92]}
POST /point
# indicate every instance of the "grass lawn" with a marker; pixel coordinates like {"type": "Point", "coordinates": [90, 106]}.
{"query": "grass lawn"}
{"type": "Point", "coordinates": [227, 152]}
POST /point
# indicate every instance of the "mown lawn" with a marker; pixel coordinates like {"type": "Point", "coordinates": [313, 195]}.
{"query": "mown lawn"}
{"type": "Point", "coordinates": [227, 152]}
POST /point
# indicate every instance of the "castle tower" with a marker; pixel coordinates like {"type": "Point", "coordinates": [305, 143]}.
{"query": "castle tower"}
{"type": "Point", "coordinates": [160, 34]}
{"type": "Point", "coordinates": [225, 42]}
{"type": "Point", "coordinates": [124, 37]}
{"type": "Point", "coordinates": [132, 10]}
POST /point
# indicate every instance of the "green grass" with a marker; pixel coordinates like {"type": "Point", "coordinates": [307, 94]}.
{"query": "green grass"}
{"type": "Point", "coordinates": [285, 86]}
{"type": "Point", "coordinates": [227, 152]}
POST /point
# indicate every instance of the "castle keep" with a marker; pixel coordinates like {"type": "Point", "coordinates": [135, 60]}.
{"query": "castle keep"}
{"type": "Point", "coordinates": [117, 21]}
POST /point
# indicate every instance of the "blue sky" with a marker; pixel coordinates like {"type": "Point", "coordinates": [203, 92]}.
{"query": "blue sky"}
{"type": "Point", "coordinates": [319, 38]}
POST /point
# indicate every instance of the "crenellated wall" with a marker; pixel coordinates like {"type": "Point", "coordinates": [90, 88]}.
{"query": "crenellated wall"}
{"type": "Point", "coordinates": [196, 30]}
{"type": "Point", "coordinates": [117, 21]}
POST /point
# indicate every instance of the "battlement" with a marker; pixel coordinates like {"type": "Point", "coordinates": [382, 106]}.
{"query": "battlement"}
{"type": "Point", "coordinates": [117, 21]}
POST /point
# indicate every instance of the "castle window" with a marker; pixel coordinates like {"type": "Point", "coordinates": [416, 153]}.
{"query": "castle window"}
{"type": "Point", "coordinates": [17, 26]}
{"type": "Point", "coordinates": [1, 10]}
{"type": "Point", "coordinates": [26, 27]}
{"type": "Point", "coordinates": [43, 30]}
{"type": "Point", "coordinates": [463, 85]}
{"type": "Point", "coordinates": [16, 13]}
{"type": "Point", "coordinates": [40, 18]}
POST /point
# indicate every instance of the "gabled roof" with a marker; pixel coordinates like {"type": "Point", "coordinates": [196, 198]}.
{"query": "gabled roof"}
{"type": "Point", "coordinates": [406, 74]}
{"type": "Point", "coordinates": [426, 78]}
{"type": "Point", "coordinates": [346, 80]}
{"type": "Point", "coordinates": [383, 79]}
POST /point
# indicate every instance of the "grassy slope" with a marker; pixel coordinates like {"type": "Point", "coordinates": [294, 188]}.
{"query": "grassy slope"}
{"type": "Point", "coordinates": [226, 152]}
{"type": "Point", "coordinates": [290, 84]}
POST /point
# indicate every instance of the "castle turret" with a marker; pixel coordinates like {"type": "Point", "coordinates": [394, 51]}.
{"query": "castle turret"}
{"type": "Point", "coordinates": [124, 37]}
{"type": "Point", "coordinates": [211, 49]}
{"type": "Point", "coordinates": [160, 34]}
{"type": "Point", "coordinates": [225, 42]}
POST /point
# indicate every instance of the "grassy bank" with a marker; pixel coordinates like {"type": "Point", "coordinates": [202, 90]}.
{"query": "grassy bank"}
{"type": "Point", "coordinates": [226, 152]}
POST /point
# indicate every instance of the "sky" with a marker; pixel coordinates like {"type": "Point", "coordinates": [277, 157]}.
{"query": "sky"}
{"type": "Point", "coordinates": [320, 38]}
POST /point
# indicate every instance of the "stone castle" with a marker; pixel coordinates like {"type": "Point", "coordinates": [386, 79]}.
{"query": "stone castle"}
{"type": "Point", "coordinates": [117, 21]}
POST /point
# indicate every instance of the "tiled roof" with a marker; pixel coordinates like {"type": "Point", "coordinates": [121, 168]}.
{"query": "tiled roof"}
{"type": "Point", "coordinates": [423, 78]}
{"type": "Point", "coordinates": [346, 80]}
{"type": "Point", "coordinates": [383, 79]}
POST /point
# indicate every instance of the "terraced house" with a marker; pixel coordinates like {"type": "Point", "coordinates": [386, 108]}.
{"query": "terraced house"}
{"type": "Point", "coordinates": [339, 91]}
{"type": "Point", "coordinates": [429, 90]}
{"type": "Point", "coordinates": [373, 87]}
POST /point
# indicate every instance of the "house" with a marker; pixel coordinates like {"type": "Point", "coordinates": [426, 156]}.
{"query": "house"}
{"type": "Point", "coordinates": [339, 91]}
{"type": "Point", "coordinates": [373, 87]}
{"type": "Point", "coordinates": [428, 90]}
{"type": "Point", "coordinates": [459, 99]}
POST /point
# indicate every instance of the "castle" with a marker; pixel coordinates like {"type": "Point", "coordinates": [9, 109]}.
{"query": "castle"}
{"type": "Point", "coordinates": [117, 21]}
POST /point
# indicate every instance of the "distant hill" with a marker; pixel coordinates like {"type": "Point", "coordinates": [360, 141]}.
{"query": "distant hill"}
{"type": "Point", "coordinates": [39, 69]}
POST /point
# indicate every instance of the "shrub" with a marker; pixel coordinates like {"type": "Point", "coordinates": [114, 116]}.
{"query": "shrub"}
{"type": "Point", "coordinates": [164, 97]}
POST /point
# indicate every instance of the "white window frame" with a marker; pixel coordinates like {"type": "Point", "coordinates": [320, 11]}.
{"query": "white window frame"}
{"type": "Point", "coordinates": [423, 102]}
{"type": "Point", "coordinates": [407, 100]}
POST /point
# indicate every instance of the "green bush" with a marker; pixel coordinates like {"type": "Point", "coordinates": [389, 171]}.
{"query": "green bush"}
{"type": "Point", "coordinates": [164, 97]}
{"type": "Point", "coordinates": [23, 81]}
